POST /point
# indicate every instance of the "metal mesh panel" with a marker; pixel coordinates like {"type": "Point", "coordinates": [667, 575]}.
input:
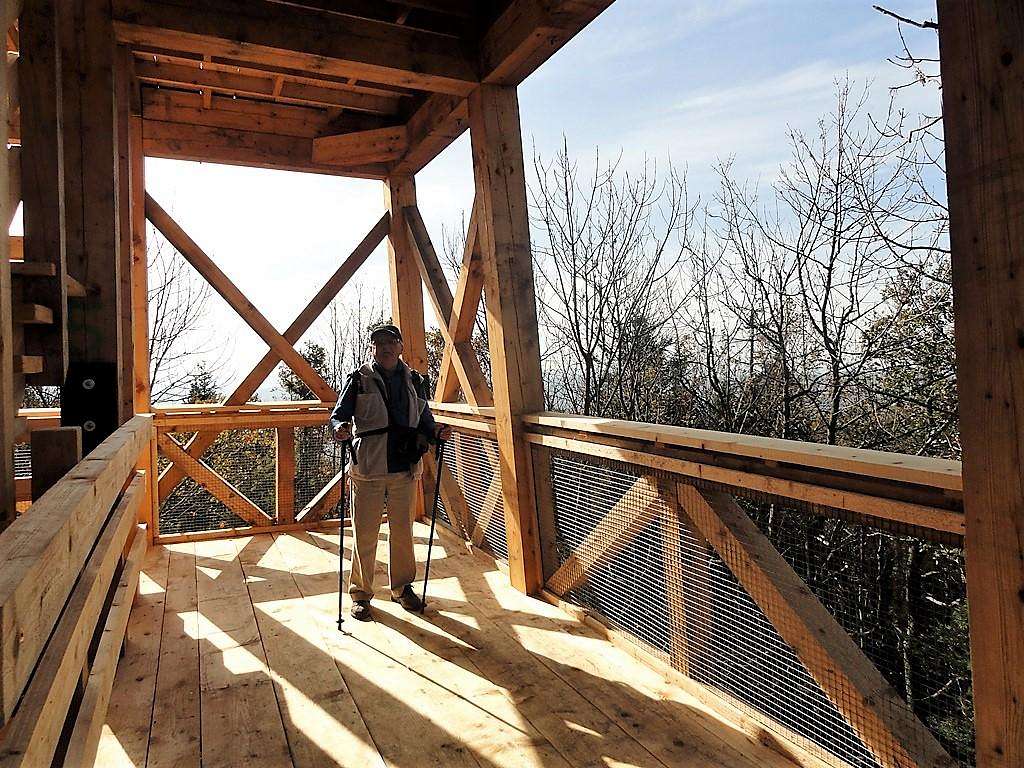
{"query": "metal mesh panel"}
{"type": "Point", "coordinates": [245, 458]}
{"type": "Point", "coordinates": [473, 461]}
{"type": "Point", "coordinates": [652, 576]}
{"type": "Point", "coordinates": [317, 462]}
{"type": "Point", "coordinates": [904, 602]}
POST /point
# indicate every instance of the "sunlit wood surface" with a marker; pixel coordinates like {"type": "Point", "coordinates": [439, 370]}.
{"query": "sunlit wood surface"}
{"type": "Point", "coordinates": [234, 658]}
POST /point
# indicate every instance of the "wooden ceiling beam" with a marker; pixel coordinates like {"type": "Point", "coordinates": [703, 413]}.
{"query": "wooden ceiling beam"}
{"type": "Point", "coordinates": [525, 35]}
{"type": "Point", "coordinates": [200, 143]}
{"type": "Point", "coordinates": [263, 32]}
{"type": "Point", "coordinates": [270, 87]}
{"type": "Point", "coordinates": [528, 32]}
{"type": "Point", "coordinates": [171, 106]}
{"type": "Point", "coordinates": [381, 145]}
{"type": "Point", "coordinates": [258, 69]}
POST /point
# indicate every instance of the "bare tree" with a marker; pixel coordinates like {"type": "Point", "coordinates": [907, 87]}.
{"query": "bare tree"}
{"type": "Point", "coordinates": [606, 245]}
{"type": "Point", "coordinates": [180, 336]}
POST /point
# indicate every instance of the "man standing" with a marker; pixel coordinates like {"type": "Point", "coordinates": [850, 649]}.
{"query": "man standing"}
{"type": "Point", "coordinates": [383, 408]}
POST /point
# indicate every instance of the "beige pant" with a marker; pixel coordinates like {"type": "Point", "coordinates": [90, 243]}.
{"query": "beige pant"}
{"type": "Point", "coordinates": [368, 499]}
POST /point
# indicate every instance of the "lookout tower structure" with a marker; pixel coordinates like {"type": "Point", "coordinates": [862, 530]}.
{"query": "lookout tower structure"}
{"type": "Point", "coordinates": [376, 89]}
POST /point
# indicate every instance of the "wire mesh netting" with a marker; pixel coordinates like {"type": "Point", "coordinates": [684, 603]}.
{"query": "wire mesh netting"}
{"type": "Point", "coordinates": [245, 458]}
{"type": "Point", "coordinates": [473, 461]}
{"type": "Point", "coordinates": [650, 574]}
{"type": "Point", "coordinates": [318, 460]}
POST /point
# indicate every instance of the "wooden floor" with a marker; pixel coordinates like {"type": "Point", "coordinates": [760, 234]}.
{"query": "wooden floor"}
{"type": "Point", "coordinates": [234, 659]}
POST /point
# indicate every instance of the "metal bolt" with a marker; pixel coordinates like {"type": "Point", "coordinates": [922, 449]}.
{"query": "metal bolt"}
{"type": "Point", "coordinates": [88, 384]}
{"type": "Point", "coordinates": [89, 425]}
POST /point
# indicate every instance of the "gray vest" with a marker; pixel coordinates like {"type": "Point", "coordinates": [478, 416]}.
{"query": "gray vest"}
{"type": "Point", "coordinates": [372, 413]}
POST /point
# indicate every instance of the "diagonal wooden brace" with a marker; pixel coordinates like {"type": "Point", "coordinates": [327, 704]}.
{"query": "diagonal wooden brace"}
{"type": "Point", "coordinates": [873, 708]}
{"type": "Point", "coordinates": [462, 357]}
{"type": "Point", "coordinates": [203, 264]}
{"type": "Point", "coordinates": [211, 480]}
{"type": "Point", "coordinates": [173, 475]}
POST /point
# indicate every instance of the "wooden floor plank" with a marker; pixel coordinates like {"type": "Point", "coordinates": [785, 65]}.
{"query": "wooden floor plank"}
{"type": "Point", "coordinates": [408, 715]}
{"type": "Point", "coordinates": [477, 707]}
{"type": "Point", "coordinates": [243, 654]}
{"type": "Point", "coordinates": [241, 720]}
{"type": "Point", "coordinates": [174, 741]}
{"type": "Point", "coordinates": [676, 728]}
{"type": "Point", "coordinates": [321, 719]}
{"type": "Point", "coordinates": [125, 739]}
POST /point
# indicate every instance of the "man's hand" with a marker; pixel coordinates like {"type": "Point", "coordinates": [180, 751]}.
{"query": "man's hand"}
{"type": "Point", "coordinates": [443, 432]}
{"type": "Point", "coordinates": [343, 432]}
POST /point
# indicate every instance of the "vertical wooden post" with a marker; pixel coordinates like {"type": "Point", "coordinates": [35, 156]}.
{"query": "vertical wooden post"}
{"type": "Point", "coordinates": [982, 61]}
{"type": "Point", "coordinates": [406, 284]}
{"type": "Point", "coordinates": [123, 86]}
{"type": "Point", "coordinates": [8, 405]}
{"type": "Point", "coordinates": [139, 294]}
{"type": "Point", "coordinates": [91, 192]}
{"type": "Point", "coordinates": [503, 229]}
{"type": "Point", "coordinates": [42, 171]}
{"type": "Point", "coordinates": [285, 442]}
{"type": "Point", "coordinates": [54, 452]}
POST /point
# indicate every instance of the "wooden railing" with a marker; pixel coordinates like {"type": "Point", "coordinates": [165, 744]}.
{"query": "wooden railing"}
{"type": "Point", "coordinates": [692, 478]}
{"type": "Point", "coordinates": [185, 432]}
{"type": "Point", "coordinates": [69, 570]}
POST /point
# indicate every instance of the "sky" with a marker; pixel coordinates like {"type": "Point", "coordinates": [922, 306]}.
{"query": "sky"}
{"type": "Point", "coordinates": [695, 81]}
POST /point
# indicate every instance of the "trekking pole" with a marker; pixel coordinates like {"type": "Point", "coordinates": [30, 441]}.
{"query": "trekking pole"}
{"type": "Point", "coordinates": [341, 539]}
{"type": "Point", "coordinates": [439, 460]}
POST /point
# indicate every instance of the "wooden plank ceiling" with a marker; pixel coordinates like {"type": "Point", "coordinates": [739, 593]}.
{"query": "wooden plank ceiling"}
{"type": "Point", "coordinates": [275, 83]}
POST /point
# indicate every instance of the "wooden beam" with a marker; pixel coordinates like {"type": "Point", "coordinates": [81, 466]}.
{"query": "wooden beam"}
{"type": "Point", "coordinates": [91, 196]}
{"type": "Point", "coordinates": [927, 518]}
{"type": "Point", "coordinates": [406, 285]}
{"type": "Point", "coordinates": [33, 734]}
{"type": "Point", "coordinates": [266, 86]}
{"type": "Point", "coordinates": [872, 707]}
{"type": "Point", "coordinates": [361, 147]}
{"type": "Point", "coordinates": [42, 167]}
{"type": "Point", "coordinates": [168, 106]}
{"type": "Point", "coordinates": [637, 507]}
{"type": "Point", "coordinates": [325, 498]}
{"type": "Point", "coordinates": [258, 31]}
{"type": "Point", "coordinates": [462, 322]}
{"type": "Point", "coordinates": [463, 356]}
{"type": "Point", "coordinates": [199, 143]}
{"type": "Point", "coordinates": [123, 87]}
{"type": "Point", "coordinates": [529, 32]}
{"type": "Point", "coordinates": [43, 551]}
{"type": "Point", "coordinates": [92, 712]}
{"type": "Point", "coordinates": [526, 34]}
{"type": "Point", "coordinates": [195, 448]}
{"type": "Point", "coordinates": [432, 127]}
{"type": "Point", "coordinates": [9, 401]}
{"type": "Point", "coordinates": [285, 462]}
{"type": "Point", "coordinates": [209, 479]}
{"type": "Point", "coordinates": [503, 229]}
{"type": "Point", "coordinates": [982, 65]}
{"type": "Point", "coordinates": [54, 453]}
{"type": "Point", "coordinates": [203, 264]}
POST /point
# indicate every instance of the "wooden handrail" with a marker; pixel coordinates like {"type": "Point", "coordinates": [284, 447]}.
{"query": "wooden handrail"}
{"type": "Point", "coordinates": [58, 562]}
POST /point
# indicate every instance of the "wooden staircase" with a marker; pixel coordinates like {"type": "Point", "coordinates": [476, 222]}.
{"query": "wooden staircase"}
{"type": "Point", "coordinates": [39, 328]}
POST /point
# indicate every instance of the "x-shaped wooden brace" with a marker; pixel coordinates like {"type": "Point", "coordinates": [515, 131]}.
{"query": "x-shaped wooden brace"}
{"type": "Point", "coordinates": [212, 481]}
{"type": "Point", "coordinates": [455, 315]}
{"type": "Point", "coordinates": [173, 474]}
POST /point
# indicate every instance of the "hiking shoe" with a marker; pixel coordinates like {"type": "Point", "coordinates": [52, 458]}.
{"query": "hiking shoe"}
{"type": "Point", "coordinates": [409, 600]}
{"type": "Point", "coordinates": [361, 610]}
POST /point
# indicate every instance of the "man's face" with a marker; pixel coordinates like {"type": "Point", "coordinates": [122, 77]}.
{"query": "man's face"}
{"type": "Point", "coordinates": [386, 350]}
